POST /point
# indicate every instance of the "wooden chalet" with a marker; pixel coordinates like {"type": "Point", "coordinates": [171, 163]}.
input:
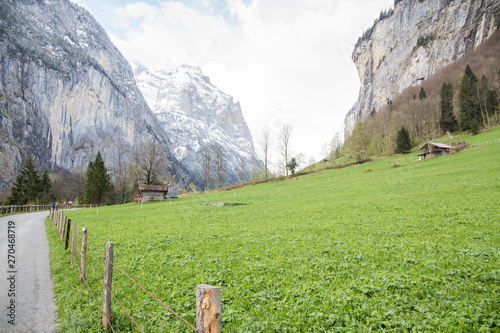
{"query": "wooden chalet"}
{"type": "Point", "coordinates": [153, 192]}
{"type": "Point", "coordinates": [433, 149]}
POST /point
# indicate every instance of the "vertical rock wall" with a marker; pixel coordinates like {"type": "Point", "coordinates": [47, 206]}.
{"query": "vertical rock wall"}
{"type": "Point", "coordinates": [416, 40]}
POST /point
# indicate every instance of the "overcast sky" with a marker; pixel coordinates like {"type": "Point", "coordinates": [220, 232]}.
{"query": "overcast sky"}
{"type": "Point", "coordinates": [285, 61]}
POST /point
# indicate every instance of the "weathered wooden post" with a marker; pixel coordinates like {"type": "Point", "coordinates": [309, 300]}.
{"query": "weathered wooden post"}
{"type": "Point", "coordinates": [83, 257]}
{"type": "Point", "coordinates": [63, 229]}
{"type": "Point", "coordinates": [61, 219]}
{"type": "Point", "coordinates": [73, 242]}
{"type": "Point", "coordinates": [208, 309]}
{"type": "Point", "coordinates": [68, 229]}
{"type": "Point", "coordinates": [107, 286]}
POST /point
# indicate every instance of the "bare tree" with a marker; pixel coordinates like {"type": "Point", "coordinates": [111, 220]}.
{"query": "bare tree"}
{"type": "Point", "coordinates": [68, 185]}
{"type": "Point", "coordinates": [285, 138]}
{"type": "Point", "coordinates": [151, 164]}
{"type": "Point", "coordinates": [301, 160]}
{"type": "Point", "coordinates": [220, 166]}
{"type": "Point", "coordinates": [123, 174]}
{"type": "Point", "coordinates": [325, 151]}
{"type": "Point", "coordinates": [336, 145]}
{"type": "Point", "coordinates": [265, 143]}
{"type": "Point", "coordinates": [206, 161]}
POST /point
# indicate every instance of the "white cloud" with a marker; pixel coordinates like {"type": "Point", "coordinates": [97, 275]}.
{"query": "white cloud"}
{"type": "Point", "coordinates": [284, 60]}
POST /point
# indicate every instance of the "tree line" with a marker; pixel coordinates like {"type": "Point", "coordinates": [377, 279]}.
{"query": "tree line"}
{"type": "Point", "coordinates": [277, 142]}
{"type": "Point", "coordinates": [95, 184]}
{"type": "Point", "coordinates": [471, 106]}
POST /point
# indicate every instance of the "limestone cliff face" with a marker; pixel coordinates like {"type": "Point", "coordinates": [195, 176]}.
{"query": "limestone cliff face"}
{"type": "Point", "coordinates": [66, 91]}
{"type": "Point", "coordinates": [417, 39]}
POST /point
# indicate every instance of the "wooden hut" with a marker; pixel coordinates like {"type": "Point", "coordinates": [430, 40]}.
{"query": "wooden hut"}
{"type": "Point", "coordinates": [153, 192]}
{"type": "Point", "coordinates": [433, 149]}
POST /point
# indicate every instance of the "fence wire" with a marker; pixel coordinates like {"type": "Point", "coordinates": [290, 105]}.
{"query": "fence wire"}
{"type": "Point", "coordinates": [79, 238]}
{"type": "Point", "coordinates": [88, 287]}
{"type": "Point", "coordinates": [150, 294]}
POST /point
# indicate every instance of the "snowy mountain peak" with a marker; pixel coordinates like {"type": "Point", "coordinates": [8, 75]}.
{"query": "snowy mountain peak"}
{"type": "Point", "coordinates": [196, 113]}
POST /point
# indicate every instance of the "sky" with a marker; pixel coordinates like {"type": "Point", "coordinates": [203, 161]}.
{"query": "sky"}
{"type": "Point", "coordinates": [285, 61]}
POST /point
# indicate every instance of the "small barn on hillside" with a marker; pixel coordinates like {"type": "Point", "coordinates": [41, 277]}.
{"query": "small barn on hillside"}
{"type": "Point", "coordinates": [432, 149]}
{"type": "Point", "coordinates": [153, 192]}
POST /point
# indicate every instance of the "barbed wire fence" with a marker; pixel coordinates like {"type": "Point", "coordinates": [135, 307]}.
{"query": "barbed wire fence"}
{"type": "Point", "coordinates": [208, 298]}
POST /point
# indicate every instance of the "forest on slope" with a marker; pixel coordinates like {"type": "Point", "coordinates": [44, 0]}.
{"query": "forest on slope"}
{"type": "Point", "coordinates": [419, 108]}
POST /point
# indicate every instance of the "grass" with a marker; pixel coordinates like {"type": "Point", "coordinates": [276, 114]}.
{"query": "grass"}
{"type": "Point", "coordinates": [413, 248]}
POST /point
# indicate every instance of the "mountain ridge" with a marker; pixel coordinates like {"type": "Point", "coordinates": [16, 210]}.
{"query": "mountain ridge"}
{"type": "Point", "coordinates": [67, 92]}
{"type": "Point", "coordinates": [198, 114]}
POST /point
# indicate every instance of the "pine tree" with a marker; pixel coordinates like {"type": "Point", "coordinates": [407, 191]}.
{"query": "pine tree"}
{"type": "Point", "coordinates": [448, 122]}
{"type": "Point", "coordinates": [403, 141]}
{"type": "Point", "coordinates": [468, 102]}
{"type": "Point", "coordinates": [423, 94]}
{"type": "Point", "coordinates": [292, 165]}
{"type": "Point", "coordinates": [27, 188]}
{"type": "Point", "coordinates": [46, 188]}
{"type": "Point", "coordinates": [98, 181]}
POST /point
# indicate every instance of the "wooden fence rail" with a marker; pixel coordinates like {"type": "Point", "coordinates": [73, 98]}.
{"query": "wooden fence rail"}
{"type": "Point", "coordinates": [34, 208]}
{"type": "Point", "coordinates": [22, 208]}
{"type": "Point", "coordinates": [208, 298]}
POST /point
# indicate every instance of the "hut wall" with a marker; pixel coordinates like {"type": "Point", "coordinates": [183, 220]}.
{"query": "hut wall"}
{"type": "Point", "coordinates": [152, 196]}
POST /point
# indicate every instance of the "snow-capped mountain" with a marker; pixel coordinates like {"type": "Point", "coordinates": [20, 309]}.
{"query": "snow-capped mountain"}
{"type": "Point", "coordinates": [196, 114]}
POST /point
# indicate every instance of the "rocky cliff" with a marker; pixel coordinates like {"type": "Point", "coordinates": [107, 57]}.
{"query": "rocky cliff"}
{"type": "Point", "coordinates": [412, 42]}
{"type": "Point", "coordinates": [197, 114]}
{"type": "Point", "coordinates": [66, 91]}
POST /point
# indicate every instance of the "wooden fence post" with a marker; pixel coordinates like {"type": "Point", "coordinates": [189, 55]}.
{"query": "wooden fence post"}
{"type": "Point", "coordinates": [73, 242]}
{"type": "Point", "coordinates": [107, 286]}
{"type": "Point", "coordinates": [208, 309]}
{"type": "Point", "coordinates": [61, 219]}
{"type": "Point", "coordinates": [83, 257]}
{"type": "Point", "coordinates": [63, 227]}
{"type": "Point", "coordinates": [68, 230]}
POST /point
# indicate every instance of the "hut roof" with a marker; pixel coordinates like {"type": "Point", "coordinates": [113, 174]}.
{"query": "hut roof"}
{"type": "Point", "coordinates": [438, 145]}
{"type": "Point", "coordinates": [159, 188]}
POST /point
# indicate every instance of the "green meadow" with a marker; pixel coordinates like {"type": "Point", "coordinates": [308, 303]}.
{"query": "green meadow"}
{"type": "Point", "coordinates": [372, 247]}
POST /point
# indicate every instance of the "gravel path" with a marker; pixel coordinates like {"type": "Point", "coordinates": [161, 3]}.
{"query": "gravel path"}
{"type": "Point", "coordinates": [33, 307]}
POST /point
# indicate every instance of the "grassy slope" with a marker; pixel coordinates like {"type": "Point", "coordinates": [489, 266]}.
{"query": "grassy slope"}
{"type": "Point", "coordinates": [409, 248]}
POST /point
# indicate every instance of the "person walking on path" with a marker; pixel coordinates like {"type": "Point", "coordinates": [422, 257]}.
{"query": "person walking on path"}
{"type": "Point", "coordinates": [26, 288]}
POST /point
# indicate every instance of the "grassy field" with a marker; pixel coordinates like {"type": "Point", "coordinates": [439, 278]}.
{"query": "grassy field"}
{"type": "Point", "coordinates": [414, 248]}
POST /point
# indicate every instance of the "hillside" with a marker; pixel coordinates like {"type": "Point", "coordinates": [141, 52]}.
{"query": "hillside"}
{"type": "Point", "coordinates": [412, 42]}
{"type": "Point", "coordinates": [370, 247]}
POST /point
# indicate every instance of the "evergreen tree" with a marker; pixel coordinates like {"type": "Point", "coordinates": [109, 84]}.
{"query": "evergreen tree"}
{"type": "Point", "coordinates": [46, 188]}
{"type": "Point", "coordinates": [98, 181]}
{"type": "Point", "coordinates": [423, 94]}
{"type": "Point", "coordinates": [403, 141]}
{"type": "Point", "coordinates": [292, 165]}
{"type": "Point", "coordinates": [492, 101]}
{"type": "Point", "coordinates": [27, 188]}
{"type": "Point", "coordinates": [468, 102]}
{"type": "Point", "coordinates": [448, 122]}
